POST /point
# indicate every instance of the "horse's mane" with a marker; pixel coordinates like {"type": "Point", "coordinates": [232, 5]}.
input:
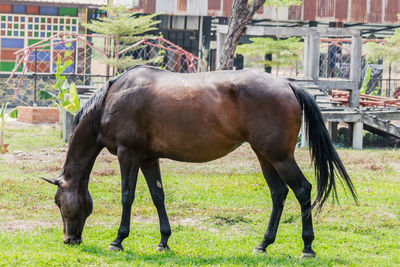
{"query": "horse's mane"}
{"type": "Point", "coordinates": [97, 99]}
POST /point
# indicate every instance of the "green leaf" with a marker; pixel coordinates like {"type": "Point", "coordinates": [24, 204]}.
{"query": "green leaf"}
{"type": "Point", "coordinates": [67, 63]}
{"type": "Point", "coordinates": [73, 106]}
{"type": "Point", "coordinates": [67, 53]}
{"type": "Point", "coordinates": [73, 96]}
{"type": "Point", "coordinates": [65, 86]}
{"type": "Point", "coordinates": [366, 79]}
{"type": "Point", "coordinates": [46, 95]}
{"type": "Point", "coordinates": [3, 108]}
{"type": "Point", "coordinates": [65, 103]}
{"type": "Point", "coordinates": [13, 113]}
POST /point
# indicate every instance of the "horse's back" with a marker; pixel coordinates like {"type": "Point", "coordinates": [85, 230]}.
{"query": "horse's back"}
{"type": "Point", "coordinates": [196, 117]}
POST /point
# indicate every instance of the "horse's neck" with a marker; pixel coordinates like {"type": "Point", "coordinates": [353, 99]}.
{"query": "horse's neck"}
{"type": "Point", "coordinates": [82, 153]}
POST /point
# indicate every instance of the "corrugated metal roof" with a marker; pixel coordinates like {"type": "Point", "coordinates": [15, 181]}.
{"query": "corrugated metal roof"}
{"type": "Point", "coordinates": [348, 11]}
{"type": "Point", "coordinates": [375, 11]}
{"type": "Point", "coordinates": [326, 8]}
{"type": "Point", "coordinates": [69, 2]}
{"type": "Point", "coordinates": [391, 10]}
{"type": "Point", "coordinates": [310, 9]}
{"type": "Point", "coordinates": [341, 10]}
{"type": "Point", "coordinates": [359, 10]}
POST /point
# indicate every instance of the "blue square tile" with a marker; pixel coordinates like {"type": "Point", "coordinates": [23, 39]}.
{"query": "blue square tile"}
{"type": "Point", "coordinates": [3, 25]}
{"type": "Point", "coordinates": [15, 33]}
{"type": "Point", "coordinates": [29, 26]}
{"type": "Point", "coordinates": [9, 18]}
{"type": "Point", "coordinates": [22, 19]}
{"type": "Point", "coordinates": [49, 27]}
{"type": "Point", "coordinates": [42, 34]}
{"type": "Point", "coordinates": [36, 20]}
{"type": "Point", "coordinates": [61, 28]}
{"type": "Point", "coordinates": [73, 28]}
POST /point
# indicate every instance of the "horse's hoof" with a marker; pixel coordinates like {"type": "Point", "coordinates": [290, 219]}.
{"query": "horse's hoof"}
{"type": "Point", "coordinates": [259, 251]}
{"type": "Point", "coordinates": [307, 255]}
{"type": "Point", "coordinates": [161, 248]}
{"type": "Point", "coordinates": [115, 248]}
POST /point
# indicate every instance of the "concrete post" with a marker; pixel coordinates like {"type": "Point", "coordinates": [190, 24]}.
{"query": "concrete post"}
{"type": "Point", "coordinates": [314, 55]}
{"type": "Point", "coordinates": [355, 70]}
{"type": "Point", "coordinates": [357, 135]}
{"type": "Point", "coordinates": [306, 62]}
{"type": "Point", "coordinates": [220, 44]}
{"type": "Point", "coordinates": [67, 122]}
{"type": "Point", "coordinates": [304, 135]}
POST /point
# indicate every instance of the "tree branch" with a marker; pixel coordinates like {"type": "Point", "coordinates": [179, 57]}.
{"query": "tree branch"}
{"type": "Point", "coordinates": [241, 15]}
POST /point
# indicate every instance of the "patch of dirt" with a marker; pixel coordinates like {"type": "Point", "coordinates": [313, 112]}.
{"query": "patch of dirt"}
{"type": "Point", "coordinates": [12, 225]}
{"type": "Point", "coordinates": [43, 155]}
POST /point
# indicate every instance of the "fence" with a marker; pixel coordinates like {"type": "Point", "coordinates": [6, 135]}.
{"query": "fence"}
{"type": "Point", "coordinates": [88, 55]}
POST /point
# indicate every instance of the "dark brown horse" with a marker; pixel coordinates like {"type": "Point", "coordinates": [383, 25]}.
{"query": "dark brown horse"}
{"type": "Point", "coordinates": [147, 113]}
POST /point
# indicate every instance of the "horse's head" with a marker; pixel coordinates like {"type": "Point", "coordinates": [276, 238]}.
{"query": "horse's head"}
{"type": "Point", "coordinates": [75, 204]}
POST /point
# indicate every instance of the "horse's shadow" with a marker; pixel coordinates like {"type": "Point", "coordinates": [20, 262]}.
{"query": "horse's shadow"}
{"type": "Point", "coordinates": [173, 258]}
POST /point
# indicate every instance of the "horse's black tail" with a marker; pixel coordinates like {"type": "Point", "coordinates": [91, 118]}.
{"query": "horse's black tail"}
{"type": "Point", "coordinates": [323, 154]}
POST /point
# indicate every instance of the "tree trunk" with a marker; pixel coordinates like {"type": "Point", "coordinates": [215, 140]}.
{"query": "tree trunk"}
{"type": "Point", "coordinates": [241, 15]}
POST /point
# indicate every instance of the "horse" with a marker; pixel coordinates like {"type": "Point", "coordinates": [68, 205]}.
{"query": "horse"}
{"type": "Point", "coordinates": [147, 113]}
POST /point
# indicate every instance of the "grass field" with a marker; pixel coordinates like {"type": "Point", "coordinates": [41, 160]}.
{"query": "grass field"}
{"type": "Point", "coordinates": [218, 211]}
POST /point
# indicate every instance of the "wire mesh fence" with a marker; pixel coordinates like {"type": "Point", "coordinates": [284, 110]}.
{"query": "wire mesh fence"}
{"type": "Point", "coordinates": [335, 58]}
{"type": "Point", "coordinates": [88, 58]}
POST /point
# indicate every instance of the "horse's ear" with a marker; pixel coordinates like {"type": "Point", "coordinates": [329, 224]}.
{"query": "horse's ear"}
{"type": "Point", "coordinates": [52, 181]}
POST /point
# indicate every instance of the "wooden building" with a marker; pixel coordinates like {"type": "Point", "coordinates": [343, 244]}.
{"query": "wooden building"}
{"type": "Point", "coordinates": [191, 23]}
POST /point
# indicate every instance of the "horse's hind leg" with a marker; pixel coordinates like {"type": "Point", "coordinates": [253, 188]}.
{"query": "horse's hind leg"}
{"type": "Point", "coordinates": [129, 164]}
{"type": "Point", "coordinates": [294, 178]}
{"type": "Point", "coordinates": [151, 171]}
{"type": "Point", "coordinates": [279, 191]}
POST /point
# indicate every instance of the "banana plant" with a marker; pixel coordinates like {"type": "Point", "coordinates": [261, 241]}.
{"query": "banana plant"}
{"type": "Point", "coordinates": [4, 117]}
{"type": "Point", "coordinates": [70, 104]}
{"type": "Point", "coordinates": [367, 77]}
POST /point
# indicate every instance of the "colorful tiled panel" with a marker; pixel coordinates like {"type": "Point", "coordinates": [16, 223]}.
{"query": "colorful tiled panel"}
{"type": "Point", "coordinates": [17, 25]}
{"type": "Point", "coordinates": [22, 26]}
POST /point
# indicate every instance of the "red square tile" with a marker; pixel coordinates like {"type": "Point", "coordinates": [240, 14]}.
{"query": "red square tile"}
{"type": "Point", "coordinates": [32, 9]}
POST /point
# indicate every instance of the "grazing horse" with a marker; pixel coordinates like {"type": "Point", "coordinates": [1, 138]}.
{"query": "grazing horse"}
{"type": "Point", "coordinates": [148, 113]}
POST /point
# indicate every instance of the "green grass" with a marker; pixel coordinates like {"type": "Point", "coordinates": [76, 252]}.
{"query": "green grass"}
{"type": "Point", "coordinates": [218, 212]}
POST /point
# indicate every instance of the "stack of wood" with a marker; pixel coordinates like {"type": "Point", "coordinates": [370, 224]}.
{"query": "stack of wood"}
{"type": "Point", "coordinates": [365, 100]}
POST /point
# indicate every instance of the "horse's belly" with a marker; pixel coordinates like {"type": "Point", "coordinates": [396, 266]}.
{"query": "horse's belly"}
{"type": "Point", "coordinates": [195, 151]}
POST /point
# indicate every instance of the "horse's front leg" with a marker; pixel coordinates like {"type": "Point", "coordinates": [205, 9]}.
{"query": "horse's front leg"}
{"type": "Point", "coordinates": [151, 171]}
{"type": "Point", "coordinates": [129, 164]}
